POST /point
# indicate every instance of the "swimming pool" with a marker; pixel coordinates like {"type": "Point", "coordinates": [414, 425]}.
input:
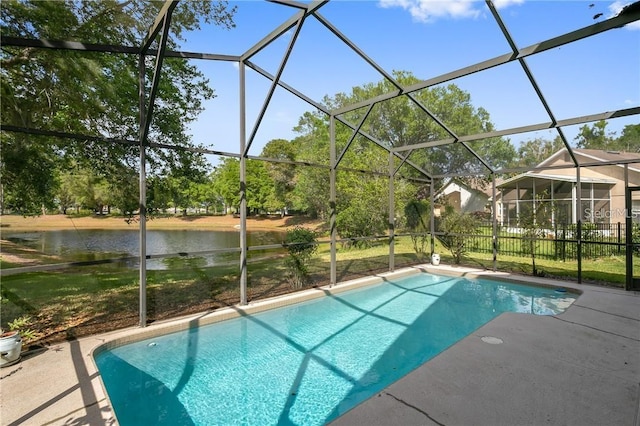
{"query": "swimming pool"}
{"type": "Point", "coordinates": [307, 363]}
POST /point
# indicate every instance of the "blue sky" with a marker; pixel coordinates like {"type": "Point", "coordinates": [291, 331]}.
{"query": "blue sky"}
{"type": "Point", "coordinates": [427, 38]}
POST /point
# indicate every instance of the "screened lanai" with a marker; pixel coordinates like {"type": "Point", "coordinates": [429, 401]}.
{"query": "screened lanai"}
{"type": "Point", "coordinates": [373, 117]}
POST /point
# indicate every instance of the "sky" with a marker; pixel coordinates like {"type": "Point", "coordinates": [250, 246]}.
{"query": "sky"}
{"type": "Point", "coordinates": [427, 38]}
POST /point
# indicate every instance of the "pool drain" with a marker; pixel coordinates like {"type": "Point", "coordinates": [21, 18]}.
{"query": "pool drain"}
{"type": "Point", "coordinates": [492, 340]}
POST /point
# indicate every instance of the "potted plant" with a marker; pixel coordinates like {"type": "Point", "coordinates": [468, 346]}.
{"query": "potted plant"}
{"type": "Point", "coordinates": [11, 340]}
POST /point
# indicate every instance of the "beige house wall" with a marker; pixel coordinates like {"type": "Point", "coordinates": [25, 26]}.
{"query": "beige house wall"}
{"type": "Point", "coordinates": [608, 172]}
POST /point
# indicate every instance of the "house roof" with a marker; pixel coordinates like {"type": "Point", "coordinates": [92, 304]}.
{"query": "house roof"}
{"type": "Point", "coordinates": [479, 190]}
{"type": "Point", "coordinates": [510, 183]}
{"type": "Point", "coordinates": [601, 155]}
{"type": "Point", "coordinates": [595, 155]}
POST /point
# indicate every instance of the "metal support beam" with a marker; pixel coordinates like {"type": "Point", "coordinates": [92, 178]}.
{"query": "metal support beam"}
{"type": "Point", "coordinates": [109, 48]}
{"type": "Point", "coordinates": [494, 231]}
{"type": "Point", "coordinates": [356, 49]}
{"type": "Point", "coordinates": [627, 112]}
{"type": "Point", "coordinates": [392, 215]}
{"type": "Point", "coordinates": [530, 77]}
{"type": "Point", "coordinates": [432, 219]}
{"type": "Point", "coordinates": [274, 83]}
{"type": "Point", "coordinates": [628, 235]}
{"type": "Point", "coordinates": [163, 17]}
{"type": "Point", "coordinates": [283, 28]}
{"type": "Point", "coordinates": [353, 135]}
{"type": "Point", "coordinates": [142, 238]}
{"type": "Point", "coordinates": [332, 199]}
{"type": "Point", "coordinates": [157, 72]}
{"type": "Point", "coordinates": [65, 135]}
{"type": "Point", "coordinates": [290, 3]}
{"type": "Point", "coordinates": [591, 30]}
{"type": "Point", "coordinates": [243, 187]}
{"type": "Point", "coordinates": [579, 222]}
{"type": "Point", "coordinates": [393, 81]}
{"type": "Point", "coordinates": [456, 138]}
{"type": "Point", "coordinates": [340, 119]}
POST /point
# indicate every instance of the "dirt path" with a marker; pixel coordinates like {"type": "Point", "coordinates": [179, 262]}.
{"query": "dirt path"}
{"type": "Point", "coordinates": [58, 222]}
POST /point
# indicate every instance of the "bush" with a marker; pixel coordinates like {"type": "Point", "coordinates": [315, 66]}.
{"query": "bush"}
{"type": "Point", "coordinates": [357, 221]}
{"type": "Point", "coordinates": [417, 216]}
{"type": "Point", "coordinates": [301, 246]}
{"type": "Point", "coordinates": [457, 228]}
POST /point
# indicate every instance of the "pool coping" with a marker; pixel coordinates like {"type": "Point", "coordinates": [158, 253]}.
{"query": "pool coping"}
{"type": "Point", "coordinates": [254, 307]}
{"type": "Point", "coordinates": [68, 387]}
{"type": "Point", "coordinates": [223, 314]}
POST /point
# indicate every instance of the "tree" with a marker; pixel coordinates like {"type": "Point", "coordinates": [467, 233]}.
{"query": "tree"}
{"type": "Point", "coordinates": [534, 219]}
{"type": "Point", "coordinates": [311, 193]}
{"type": "Point", "coordinates": [226, 182]}
{"type": "Point", "coordinates": [596, 137]}
{"type": "Point", "coordinates": [629, 140]}
{"type": "Point", "coordinates": [158, 194]}
{"type": "Point", "coordinates": [416, 213]}
{"type": "Point", "coordinates": [301, 246]}
{"type": "Point", "coordinates": [282, 174]}
{"type": "Point", "coordinates": [66, 196]}
{"type": "Point", "coordinates": [394, 123]}
{"type": "Point", "coordinates": [124, 193]}
{"type": "Point", "coordinates": [536, 150]}
{"type": "Point", "coordinates": [29, 176]}
{"type": "Point", "coordinates": [93, 93]}
{"type": "Point", "coordinates": [206, 196]}
{"type": "Point", "coordinates": [457, 227]}
{"type": "Point", "coordinates": [260, 186]}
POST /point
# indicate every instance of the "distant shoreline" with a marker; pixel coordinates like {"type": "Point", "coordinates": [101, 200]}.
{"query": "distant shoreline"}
{"type": "Point", "coordinates": [12, 223]}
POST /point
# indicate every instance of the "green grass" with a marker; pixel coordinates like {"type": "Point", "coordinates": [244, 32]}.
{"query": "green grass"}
{"type": "Point", "coordinates": [80, 301]}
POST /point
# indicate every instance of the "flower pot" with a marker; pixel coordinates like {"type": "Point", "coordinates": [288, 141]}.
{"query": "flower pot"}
{"type": "Point", "coordinates": [435, 259]}
{"type": "Point", "coordinates": [10, 348]}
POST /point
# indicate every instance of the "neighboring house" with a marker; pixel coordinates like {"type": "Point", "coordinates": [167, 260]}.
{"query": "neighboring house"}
{"type": "Point", "coordinates": [602, 189]}
{"type": "Point", "coordinates": [461, 197]}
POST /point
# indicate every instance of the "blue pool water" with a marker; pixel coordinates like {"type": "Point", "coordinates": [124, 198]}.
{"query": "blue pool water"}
{"type": "Point", "coordinates": [308, 363]}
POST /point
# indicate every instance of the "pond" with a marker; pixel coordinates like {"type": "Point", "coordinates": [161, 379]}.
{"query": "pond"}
{"type": "Point", "coordinates": [88, 245]}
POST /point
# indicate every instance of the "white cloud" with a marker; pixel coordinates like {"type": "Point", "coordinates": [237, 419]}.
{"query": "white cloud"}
{"type": "Point", "coordinates": [431, 10]}
{"type": "Point", "coordinates": [501, 4]}
{"type": "Point", "coordinates": [616, 7]}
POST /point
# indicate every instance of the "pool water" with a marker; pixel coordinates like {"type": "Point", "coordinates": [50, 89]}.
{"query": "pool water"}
{"type": "Point", "coordinates": [309, 363]}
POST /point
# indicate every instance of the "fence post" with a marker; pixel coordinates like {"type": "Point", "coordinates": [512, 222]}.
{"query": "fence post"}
{"type": "Point", "coordinates": [619, 237]}
{"type": "Point", "coordinates": [564, 242]}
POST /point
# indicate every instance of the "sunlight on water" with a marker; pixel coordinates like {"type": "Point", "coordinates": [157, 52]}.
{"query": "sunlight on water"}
{"type": "Point", "coordinates": [307, 363]}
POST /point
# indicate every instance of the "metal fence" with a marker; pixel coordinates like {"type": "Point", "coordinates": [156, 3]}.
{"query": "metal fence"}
{"type": "Point", "coordinates": [556, 243]}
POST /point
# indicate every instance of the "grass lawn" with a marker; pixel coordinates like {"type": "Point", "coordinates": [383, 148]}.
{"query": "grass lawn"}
{"type": "Point", "coordinates": [80, 301]}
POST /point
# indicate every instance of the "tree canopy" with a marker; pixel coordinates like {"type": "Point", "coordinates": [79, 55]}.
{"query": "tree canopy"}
{"type": "Point", "coordinates": [597, 136]}
{"type": "Point", "coordinates": [92, 93]}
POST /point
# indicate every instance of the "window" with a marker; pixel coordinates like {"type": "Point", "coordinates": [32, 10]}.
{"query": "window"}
{"type": "Point", "coordinates": [596, 203]}
{"type": "Point", "coordinates": [562, 190]}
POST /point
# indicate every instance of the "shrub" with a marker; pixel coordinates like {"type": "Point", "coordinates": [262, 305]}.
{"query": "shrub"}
{"type": "Point", "coordinates": [359, 220]}
{"type": "Point", "coordinates": [457, 227]}
{"type": "Point", "coordinates": [301, 246]}
{"type": "Point", "coordinates": [416, 214]}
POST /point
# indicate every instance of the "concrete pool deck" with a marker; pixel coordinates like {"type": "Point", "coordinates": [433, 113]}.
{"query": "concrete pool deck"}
{"type": "Point", "coordinates": [581, 367]}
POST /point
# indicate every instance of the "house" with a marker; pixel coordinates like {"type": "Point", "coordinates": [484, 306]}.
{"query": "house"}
{"type": "Point", "coordinates": [602, 188]}
{"type": "Point", "coordinates": [462, 197]}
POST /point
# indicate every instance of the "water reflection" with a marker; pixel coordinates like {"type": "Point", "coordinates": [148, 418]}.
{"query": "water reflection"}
{"type": "Point", "coordinates": [89, 245]}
